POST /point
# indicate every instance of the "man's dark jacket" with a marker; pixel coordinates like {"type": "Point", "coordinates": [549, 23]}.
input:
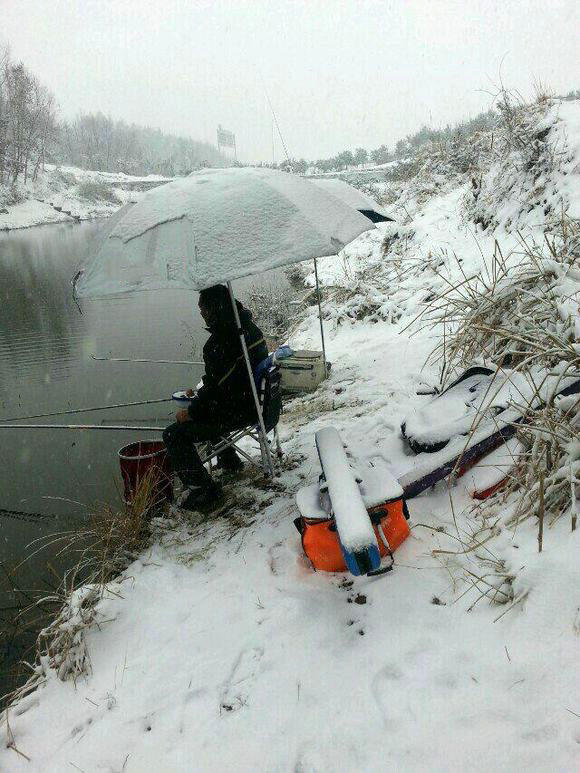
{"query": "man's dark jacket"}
{"type": "Point", "coordinates": [226, 385]}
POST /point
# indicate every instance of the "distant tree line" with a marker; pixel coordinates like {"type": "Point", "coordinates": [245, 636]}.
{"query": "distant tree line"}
{"type": "Point", "coordinates": [345, 160]}
{"type": "Point", "coordinates": [574, 94]}
{"type": "Point", "coordinates": [31, 134]}
{"type": "Point", "coordinates": [404, 148]}
{"type": "Point", "coordinates": [95, 141]}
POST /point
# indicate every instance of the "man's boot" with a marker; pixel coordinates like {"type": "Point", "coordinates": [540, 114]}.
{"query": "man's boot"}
{"type": "Point", "coordinates": [229, 461]}
{"type": "Point", "coordinates": [203, 498]}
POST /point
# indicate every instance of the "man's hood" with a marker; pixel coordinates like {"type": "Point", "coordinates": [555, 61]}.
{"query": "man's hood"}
{"type": "Point", "coordinates": [226, 323]}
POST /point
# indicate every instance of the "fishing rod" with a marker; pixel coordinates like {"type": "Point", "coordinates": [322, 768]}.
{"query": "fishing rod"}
{"type": "Point", "coordinates": [164, 362]}
{"type": "Point", "coordinates": [85, 410]}
{"type": "Point", "coordinates": [277, 124]}
{"type": "Point", "coordinates": [81, 426]}
{"type": "Point", "coordinates": [22, 515]}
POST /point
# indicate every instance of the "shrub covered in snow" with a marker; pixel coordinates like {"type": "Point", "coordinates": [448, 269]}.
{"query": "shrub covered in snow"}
{"type": "Point", "coordinates": [11, 194]}
{"type": "Point", "coordinates": [97, 190]}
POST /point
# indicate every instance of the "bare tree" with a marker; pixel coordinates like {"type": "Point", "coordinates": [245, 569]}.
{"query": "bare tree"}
{"type": "Point", "coordinates": [4, 113]}
{"type": "Point", "coordinates": [27, 120]}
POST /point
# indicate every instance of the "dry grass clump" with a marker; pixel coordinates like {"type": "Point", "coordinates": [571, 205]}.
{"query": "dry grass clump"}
{"type": "Point", "coordinates": [109, 543]}
{"type": "Point", "coordinates": [117, 537]}
{"type": "Point", "coordinates": [271, 306]}
{"type": "Point", "coordinates": [547, 484]}
{"type": "Point", "coordinates": [525, 317]}
{"type": "Point", "coordinates": [62, 643]}
{"type": "Point", "coordinates": [483, 571]}
{"type": "Point", "coordinates": [521, 315]}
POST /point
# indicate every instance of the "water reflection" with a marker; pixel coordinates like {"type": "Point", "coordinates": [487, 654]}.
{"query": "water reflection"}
{"type": "Point", "coordinates": [39, 334]}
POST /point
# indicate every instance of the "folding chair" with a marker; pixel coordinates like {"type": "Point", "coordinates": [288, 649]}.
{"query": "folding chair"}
{"type": "Point", "coordinates": [267, 381]}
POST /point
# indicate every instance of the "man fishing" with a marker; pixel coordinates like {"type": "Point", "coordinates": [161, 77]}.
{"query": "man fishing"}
{"type": "Point", "coordinates": [223, 403]}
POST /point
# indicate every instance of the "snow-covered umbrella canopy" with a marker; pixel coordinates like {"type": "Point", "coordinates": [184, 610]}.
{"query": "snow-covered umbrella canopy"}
{"type": "Point", "coordinates": [215, 226]}
{"type": "Point", "coordinates": [352, 197]}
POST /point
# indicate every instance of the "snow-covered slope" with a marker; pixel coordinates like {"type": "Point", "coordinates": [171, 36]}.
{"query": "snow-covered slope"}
{"type": "Point", "coordinates": [66, 193]}
{"type": "Point", "coordinates": [219, 648]}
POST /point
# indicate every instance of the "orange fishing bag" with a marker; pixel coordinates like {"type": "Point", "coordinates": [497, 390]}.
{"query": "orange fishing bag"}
{"type": "Point", "coordinates": [321, 544]}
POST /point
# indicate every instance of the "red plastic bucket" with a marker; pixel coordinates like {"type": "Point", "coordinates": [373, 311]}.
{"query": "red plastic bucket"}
{"type": "Point", "coordinates": [146, 458]}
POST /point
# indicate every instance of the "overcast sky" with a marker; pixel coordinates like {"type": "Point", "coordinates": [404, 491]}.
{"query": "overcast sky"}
{"type": "Point", "coordinates": [340, 73]}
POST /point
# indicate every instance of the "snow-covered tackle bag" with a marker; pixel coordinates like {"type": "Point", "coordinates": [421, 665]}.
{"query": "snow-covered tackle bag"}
{"type": "Point", "coordinates": [320, 539]}
{"type": "Point", "coordinates": [431, 426]}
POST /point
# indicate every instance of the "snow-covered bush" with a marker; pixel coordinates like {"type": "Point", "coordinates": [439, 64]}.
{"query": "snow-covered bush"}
{"type": "Point", "coordinates": [296, 274]}
{"type": "Point", "coordinates": [11, 194]}
{"type": "Point", "coordinates": [61, 178]}
{"type": "Point", "coordinates": [63, 641]}
{"type": "Point", "coordinates": [97, 190]}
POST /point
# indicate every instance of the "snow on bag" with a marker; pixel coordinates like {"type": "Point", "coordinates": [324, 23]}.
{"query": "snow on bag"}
{"type": "Point", "coordinates": [477, 396]}
{"type": "Point", "coordinates": [345, 522]}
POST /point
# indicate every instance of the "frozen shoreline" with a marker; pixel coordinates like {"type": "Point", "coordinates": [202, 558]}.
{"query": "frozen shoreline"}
{"type": "Point", "coordinates": [82, 193]}
{"type": "Point", "coordinates": [32, 214]}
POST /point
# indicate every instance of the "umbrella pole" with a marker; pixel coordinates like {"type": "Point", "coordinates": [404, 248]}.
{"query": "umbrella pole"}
{"type": "Point", "coordinates": [264, 439]}
{"type": "Point", "coordinates": [320, 314]}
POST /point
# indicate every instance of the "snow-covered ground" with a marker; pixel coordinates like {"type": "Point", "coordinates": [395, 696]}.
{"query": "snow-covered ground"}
{"type": "Point", "coordinates": [220, 648]}
{"type": "Point", "coordinates": [67, 193]}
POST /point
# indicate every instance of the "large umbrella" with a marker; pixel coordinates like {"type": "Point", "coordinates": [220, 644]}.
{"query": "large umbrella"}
{"type": "Point", "coordinates": [354, 198]}
{"type": "Point", "coordinates": [216, 226]}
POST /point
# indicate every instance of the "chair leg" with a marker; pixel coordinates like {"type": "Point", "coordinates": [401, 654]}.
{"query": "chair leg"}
{"type": "Point", "coordinates": [246, 456]}
{"type": "Point", "coordinates": [267, 463]}
{"type": "Point", "coordinates": [279, 452]}
{"type": "Point", "coordinates": [209, 462]}
{"type": "Point", "coordinates": [263, 455]}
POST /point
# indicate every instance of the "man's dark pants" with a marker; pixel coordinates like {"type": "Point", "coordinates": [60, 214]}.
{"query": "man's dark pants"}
{"type": "Point", "coordinates": [208, 422]}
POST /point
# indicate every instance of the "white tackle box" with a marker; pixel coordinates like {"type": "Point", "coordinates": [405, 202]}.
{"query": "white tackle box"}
{"type": "Point", "coordinates": [303, 371]}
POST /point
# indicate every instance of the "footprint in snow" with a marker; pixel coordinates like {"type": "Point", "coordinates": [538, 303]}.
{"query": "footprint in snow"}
{"type": "Point", "coordinates": [236, 687]}
{"type": "Point", "coordinates": [78, 729]}
{"type": "Point", "coordinates": [279, 558]}
{"type": "Point", "coordinates": [382, 690]}
{"type": "Point", "coordinates": [542, 734]}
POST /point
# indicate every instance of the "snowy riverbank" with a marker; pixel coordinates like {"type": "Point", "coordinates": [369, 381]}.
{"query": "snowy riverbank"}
{"type": "Point", "coordinates": [219, 648]}
{"type": "Point", "coordinates": [66, 193]}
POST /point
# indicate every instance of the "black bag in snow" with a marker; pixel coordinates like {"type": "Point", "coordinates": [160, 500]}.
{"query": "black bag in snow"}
{"type": "Point", "coordinates": [479, 393]}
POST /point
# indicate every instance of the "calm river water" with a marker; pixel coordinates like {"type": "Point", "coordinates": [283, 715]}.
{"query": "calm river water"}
{"type": "Point", "coordinates": [46, 364]}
